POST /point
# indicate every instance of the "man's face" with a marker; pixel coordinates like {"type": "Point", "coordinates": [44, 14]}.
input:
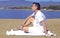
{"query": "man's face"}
{"type": "Point", "coordinates": [34, 7]}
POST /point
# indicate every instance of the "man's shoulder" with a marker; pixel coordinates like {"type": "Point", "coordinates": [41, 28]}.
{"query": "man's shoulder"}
{"type": "Point", "coordinates": [39, 12]}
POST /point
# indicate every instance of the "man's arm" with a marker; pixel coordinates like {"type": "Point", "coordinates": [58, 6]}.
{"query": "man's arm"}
{"type": "Point", "coordinates": [44, 26]}
{"type": "Point", "coordinates": [23, 25]}
{"type": "Point", "coordinates": [27, 19]}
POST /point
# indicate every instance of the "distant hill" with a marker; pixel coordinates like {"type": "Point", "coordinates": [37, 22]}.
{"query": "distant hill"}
{"type": "Point", "coordinates": [25, 3]}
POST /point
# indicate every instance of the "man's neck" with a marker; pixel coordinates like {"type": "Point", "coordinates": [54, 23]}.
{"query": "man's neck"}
{"type": "Point", "coordinates": [36, 11]}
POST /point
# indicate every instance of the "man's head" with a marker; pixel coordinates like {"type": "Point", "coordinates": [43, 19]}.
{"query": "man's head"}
{"type": "Point", "coordinates": [35, 6]}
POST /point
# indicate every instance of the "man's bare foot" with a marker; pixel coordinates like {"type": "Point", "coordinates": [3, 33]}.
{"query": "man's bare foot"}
{"type": "Point", "coordinates": [17, 28]}
{"type": "Point", "coordinates": [21, 28]}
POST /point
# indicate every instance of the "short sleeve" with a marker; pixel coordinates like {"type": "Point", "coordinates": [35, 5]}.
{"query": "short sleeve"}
{"type": "Point", "coordinates": [40, 18]}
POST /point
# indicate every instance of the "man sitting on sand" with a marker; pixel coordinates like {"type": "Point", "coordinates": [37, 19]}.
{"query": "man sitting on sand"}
{"type": "Point", "coordinates": [38, 20]}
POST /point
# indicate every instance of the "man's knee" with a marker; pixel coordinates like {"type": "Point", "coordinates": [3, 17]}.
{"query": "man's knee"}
{"type": "Point", "coordinates": [31, 18]}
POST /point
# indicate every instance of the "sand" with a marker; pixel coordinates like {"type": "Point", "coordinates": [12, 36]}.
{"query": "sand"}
{"type": "Point", "coordinates": [7, 24]}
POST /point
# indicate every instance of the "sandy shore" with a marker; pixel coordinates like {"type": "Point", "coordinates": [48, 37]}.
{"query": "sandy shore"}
{"type": "Point", "coordinates": [7, 24]}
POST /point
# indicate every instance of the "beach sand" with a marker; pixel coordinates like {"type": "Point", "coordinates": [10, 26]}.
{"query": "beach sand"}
{"type": "Point", "coordinates": [7, 24]}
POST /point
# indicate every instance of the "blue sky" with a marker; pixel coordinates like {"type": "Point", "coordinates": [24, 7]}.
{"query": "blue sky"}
{"type": "Point", "coordinates": [44, 0]}
{"type": "Point", "coordinates": [36, 0]}
{"type": "Point", "coordinates": [4, 0]}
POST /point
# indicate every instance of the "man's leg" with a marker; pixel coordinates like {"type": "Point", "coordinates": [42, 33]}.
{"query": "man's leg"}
{"type": "Point", "coordinates": [29, 21]}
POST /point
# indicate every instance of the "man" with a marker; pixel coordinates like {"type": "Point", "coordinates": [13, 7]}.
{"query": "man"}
{"type": "Point", "coordinates": [37, 19]}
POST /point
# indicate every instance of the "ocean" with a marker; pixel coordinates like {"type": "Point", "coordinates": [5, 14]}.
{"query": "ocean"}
{"type": "Point", "coordinates": [22, 14]}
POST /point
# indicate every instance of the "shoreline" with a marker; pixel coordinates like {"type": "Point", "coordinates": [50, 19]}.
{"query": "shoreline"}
{"type": "Point", "coordinates": [29, 9]}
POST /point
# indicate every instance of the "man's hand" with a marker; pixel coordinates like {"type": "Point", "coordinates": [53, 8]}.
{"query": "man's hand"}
{"type": "Point", "coordinates": [46, 32]}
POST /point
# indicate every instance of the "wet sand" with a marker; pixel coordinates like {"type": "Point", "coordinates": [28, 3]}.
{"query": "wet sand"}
{"type": "Point", "coordinates": [7, 24]}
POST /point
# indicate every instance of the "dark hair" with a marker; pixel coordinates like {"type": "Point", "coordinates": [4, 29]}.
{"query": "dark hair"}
{"type": "Point", "coordinates": [37, 4]}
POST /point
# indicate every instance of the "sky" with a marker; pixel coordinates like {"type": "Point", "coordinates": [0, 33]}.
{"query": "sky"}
{"type": "Point", "coordinates": [36, 0]}
{"type": "Point", "coordinates": [4, 0]}
{"type": "Point", "coordinates": [44, 0]}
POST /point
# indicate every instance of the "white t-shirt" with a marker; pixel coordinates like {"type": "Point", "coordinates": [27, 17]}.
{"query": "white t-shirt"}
{"type": "Point", "coordinates": [37, 26]}
{"type": "Point", "coordinates": [39, 16]}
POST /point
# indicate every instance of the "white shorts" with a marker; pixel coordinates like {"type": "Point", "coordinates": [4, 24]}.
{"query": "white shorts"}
{"type": "Point", "coordinates": [36, 30]}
